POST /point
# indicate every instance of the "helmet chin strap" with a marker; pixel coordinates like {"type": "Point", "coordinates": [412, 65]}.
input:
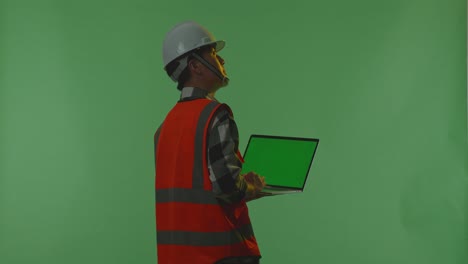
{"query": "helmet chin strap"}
{"type": "Point", "coordinates": [223, 78]}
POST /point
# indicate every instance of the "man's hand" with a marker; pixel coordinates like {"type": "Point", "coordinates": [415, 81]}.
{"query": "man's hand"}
{"type": "Point", "coordinates": [255, 184]}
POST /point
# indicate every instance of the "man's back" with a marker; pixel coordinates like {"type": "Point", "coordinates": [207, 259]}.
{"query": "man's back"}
{"type": "Point", "coordinates": [193, 226]}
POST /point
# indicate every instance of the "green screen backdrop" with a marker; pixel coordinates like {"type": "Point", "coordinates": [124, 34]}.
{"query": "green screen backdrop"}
{"type": "Point", "coordinates": [382, 84]}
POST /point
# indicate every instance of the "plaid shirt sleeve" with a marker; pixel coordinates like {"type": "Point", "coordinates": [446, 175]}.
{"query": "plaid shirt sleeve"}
{"type": "Point", "coordinates": [223, 164]}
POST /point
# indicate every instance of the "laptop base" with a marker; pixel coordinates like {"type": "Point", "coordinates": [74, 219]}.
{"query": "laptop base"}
{"type": "Point", "coordinates": [270, 190]}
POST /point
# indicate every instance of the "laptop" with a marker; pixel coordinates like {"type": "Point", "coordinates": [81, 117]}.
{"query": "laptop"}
{"type": "Point", "coordinates": [285, 162]}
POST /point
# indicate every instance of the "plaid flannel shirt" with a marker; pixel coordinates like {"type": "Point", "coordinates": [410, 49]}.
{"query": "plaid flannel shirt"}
{"type": "Point", "coordinates": [223, 164]}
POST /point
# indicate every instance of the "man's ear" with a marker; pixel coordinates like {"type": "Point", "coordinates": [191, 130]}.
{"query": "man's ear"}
{"type": "Point", "coordinates": [194, 66]}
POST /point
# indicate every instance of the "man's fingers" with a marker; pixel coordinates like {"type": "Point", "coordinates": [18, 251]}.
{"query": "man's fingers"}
{"type": "Point", "coordinates": [261, 181]}
{"type": "Point", "coordinates": [250, 176]}
{"type": "Point", "coordinates": [256, 180]}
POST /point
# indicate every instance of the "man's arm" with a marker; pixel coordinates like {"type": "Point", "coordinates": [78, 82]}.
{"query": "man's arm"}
{"type": "Point", "coordinates": [223, 164]}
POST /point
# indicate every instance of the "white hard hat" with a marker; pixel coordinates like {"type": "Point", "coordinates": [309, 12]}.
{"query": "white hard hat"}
{"type": "Point", "coordinates": [182, 39]}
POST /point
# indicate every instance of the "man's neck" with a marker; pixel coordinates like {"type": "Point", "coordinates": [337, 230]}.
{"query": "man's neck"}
{"type": "Point", "coordinates": [211, 93]}
{"type": "Point", "coordinates": [193, 91]}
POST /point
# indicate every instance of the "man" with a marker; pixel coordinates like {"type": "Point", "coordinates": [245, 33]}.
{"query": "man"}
{"type": "Point", "coordinates": [201, 211]}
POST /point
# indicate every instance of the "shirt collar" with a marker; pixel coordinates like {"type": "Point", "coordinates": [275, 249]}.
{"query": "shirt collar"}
{"type": "Point", "coordinates": [195, 93]}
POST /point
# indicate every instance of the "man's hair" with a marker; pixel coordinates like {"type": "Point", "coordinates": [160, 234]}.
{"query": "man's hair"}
{"type": "Point", "coordinates": [185, 74]}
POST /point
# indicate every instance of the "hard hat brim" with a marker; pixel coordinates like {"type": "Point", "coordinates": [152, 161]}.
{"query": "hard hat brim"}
{"type": "Point", "coordinates": [220, 45]}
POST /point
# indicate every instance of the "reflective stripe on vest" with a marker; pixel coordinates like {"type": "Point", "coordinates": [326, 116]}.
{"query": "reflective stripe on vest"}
{"type": "Point", "coordinates": [200, 133]}
{"type": "Point", "coordinates": [205, 238]}
{"type": "Point", "coordinates": [185, 196]}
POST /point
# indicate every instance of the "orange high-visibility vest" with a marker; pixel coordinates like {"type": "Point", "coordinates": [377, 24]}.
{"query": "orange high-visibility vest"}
{"type": "Point", "coordinates": [192, 226]}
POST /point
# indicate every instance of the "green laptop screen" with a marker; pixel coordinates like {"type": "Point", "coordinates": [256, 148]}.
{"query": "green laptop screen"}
{"type": "Point", "coordinates": [282, 161]}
